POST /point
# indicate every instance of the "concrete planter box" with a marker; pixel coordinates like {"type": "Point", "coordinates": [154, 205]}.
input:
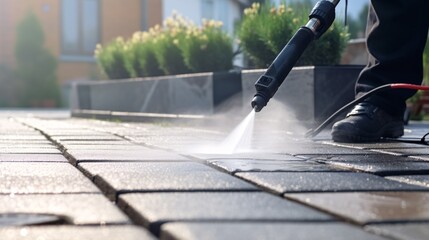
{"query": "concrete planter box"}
{"type": "Point", "coordinates": [181, 94]}
{"type": "Point", "coordinates": [312, 93]}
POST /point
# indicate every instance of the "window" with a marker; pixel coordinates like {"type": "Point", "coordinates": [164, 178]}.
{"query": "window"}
{"type": "Point", "coordinates": [79, 27]}
{"type": "Point", "coordinates": [207, 9]}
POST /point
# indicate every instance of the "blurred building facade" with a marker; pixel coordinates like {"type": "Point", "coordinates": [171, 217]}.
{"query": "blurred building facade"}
{"type": "Point", "coordinates": [72, 28]}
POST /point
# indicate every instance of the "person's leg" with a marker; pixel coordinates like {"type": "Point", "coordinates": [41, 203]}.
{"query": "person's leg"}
{"type": "Point", "coordinates": [395, 43]}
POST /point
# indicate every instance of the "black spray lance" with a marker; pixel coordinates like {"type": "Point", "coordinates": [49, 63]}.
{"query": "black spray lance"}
{"type": "Point", "coordinates": [321, 18]}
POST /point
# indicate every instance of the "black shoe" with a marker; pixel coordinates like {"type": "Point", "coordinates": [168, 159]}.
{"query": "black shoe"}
{"type": "Point", "coordinates": [367, 123]}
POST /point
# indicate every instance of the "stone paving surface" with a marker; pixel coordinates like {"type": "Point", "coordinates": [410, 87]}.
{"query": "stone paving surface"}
{"type": "Point", "coordinates": [68, 178]}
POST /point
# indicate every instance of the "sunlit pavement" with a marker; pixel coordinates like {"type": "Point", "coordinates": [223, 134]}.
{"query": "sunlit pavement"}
{"type": "Point", "coordinates": [71, 178]}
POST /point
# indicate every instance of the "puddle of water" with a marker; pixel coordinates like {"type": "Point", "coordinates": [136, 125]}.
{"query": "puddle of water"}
{"type": "Point", "coordinates": [239, 140]}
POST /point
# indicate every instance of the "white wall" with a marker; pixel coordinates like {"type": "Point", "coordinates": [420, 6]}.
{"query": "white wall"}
{"type": "Point", "coordinates": [190, 9]}
{"type": "Point", "coordinates": [227, 11]}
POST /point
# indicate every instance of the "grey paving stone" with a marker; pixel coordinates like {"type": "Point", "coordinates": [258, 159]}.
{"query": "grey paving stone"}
{"type": "Point", "coordinates": [123, 147]}
{"type": "Point", "coordinates": [5, 146]}
{"type": "Point", "coordinates": [357, 158]}
{"type": "Point", "coordinates": [153, 209]}
{"type": "Point", "coordinates": [30, 150]}
{"type": "Point", "coordinates": [370, 207]}
{"type": "Point", "coordinates": [318, 149]}
{"type": "Point", "coordinates": [387, 167]}
{"type": "Point", "coordinates": [95, 143]}
{"type": "Point", "coordinates": [250, 156]}
{"type": "Point", "coordinates": [18, 136]}
{"type": "Point", "coordinates": [173, 176]}
{"type": "Point", "coordinates": [422, 180]}
{"type": "Point", "coordinates": [32, 158]}
{"type": "Point", "coordinates": [31, 177]}
{"type": "Point", "coordinates": [87, 138]}
{"type": "Point", "coordinates": [409, 231]}
{"type": "Point", "coordinates": [75, 233]}
{"type": "Point", "coordinates": [282, 182]}
{"type": "Point", "coordinates": [250, 165]}
{"type": "Point", "coordinates": [376, 145]}
{"type": "Point", "coordinates": [116, 155]}
{"type": "Point", "coordinates": [409, 151]}
{"type": "Point", "coordinates": [264, 231]}
{"type": "Point", "coordinates": [78, 209]}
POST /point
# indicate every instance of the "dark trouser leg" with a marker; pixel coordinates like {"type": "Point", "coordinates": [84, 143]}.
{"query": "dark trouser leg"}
{"type": "Point", "coordinates": [395, 43]}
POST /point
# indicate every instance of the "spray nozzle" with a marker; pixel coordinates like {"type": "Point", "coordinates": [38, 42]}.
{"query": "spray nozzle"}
{"type": "Point", "coordinates": [258, 103]}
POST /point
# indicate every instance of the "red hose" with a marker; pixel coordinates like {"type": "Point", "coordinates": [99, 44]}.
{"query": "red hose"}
{"type": "Point", "coordinates": [409, 86]}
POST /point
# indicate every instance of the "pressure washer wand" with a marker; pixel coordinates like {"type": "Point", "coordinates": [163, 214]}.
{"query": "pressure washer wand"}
{"type": "Point", "coordinates": [320, 19]}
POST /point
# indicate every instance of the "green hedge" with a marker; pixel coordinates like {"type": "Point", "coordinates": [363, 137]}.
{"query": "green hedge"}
{"type": "Point", "coordinates": [265, 30]}
{"type": "Point", "coordinates": [176, 48]}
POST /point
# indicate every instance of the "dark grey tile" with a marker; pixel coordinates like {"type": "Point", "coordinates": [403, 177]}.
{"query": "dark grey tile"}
{"type": "Point", "coordinates": [376, 145]}
{"type": "Point", "coordinates": [250, 165]}
{"type": "Point", "coordinates": [384, 167]}
{"type": "Point", "coordinates": [409, 151]}
{"type": "Point", "coordinates": [126, 232]}
{"type": "Point", "coordinates": [282, 182]}
{"type": "Point", "coordinates": [409, 231]}
{"type": "Point", "coordinates": [421, 180]}
{"type": "Point", "coordinates": [264, 231]}
{"type": "Point", "coordinates": [161, 176]}
{"type": "Point", "coordinates": [32, 158]}
{"type": "Point", "coordinates": [40, 177]}
{"type": "Point", "coordinates": [78, 209]}
{"type": "Point", "coordinates": [357, 158]}
{"type": "Point", "coordinates": [370, 207]}
{"type": "Point", "coordinates": [245, 156]}
{"type": "Point", "coordinates": [153, 209]}
{"type": "Point", "coordinates": [147, 154]}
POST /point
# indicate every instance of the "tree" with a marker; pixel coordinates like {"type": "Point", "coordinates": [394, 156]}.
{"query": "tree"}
{"type": "Point", "coordinates": [36, 67]}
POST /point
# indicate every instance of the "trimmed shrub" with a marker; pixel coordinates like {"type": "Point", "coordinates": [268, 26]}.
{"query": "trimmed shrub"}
{"type": "Point", "coordinates": [35, 65]}
{"type": "Point", "coordinates": [265, 30]}
{"type": "Point", "coordinates": [115, 59]}
{"type": "Point", "coordinates": [208, 48]}
{"type": "Point", "coordinates": [177, 48]}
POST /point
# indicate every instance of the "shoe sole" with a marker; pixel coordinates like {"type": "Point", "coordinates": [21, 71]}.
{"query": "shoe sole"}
{"type": "Point", "coordinates": [393, 130]}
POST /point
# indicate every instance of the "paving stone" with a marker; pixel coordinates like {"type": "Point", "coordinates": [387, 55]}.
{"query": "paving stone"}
{"type": "Point", "coordinates": [356, 158]}
{"type": "Point", "coordinates": [30, 150]}
{"type": "Point", "coordinates": [370, 207]}
{"type": "Point", "coordinates": [387, 167]}
{"type": "Point", "coordinates": [409, 151]}
{"type": "Point", "coordinates": [264, 231]}
{"type": "Point", "coordinates": [243, 156]}
{"type": "Point", "coordinates": [25, 178]}
{"type": "Point", "coordinates": [173, 176]}
{"type": "Point", "coordinates": [282, 182]}
{"type": "Point", "coordinates": [376, 145]}
{"type": "Point", "coordinates": [249, 165]}
{"type": "Point", "coordinates": [409, 231]}
{"type": "Point", "coordinates": [153, 209]}
{"type": "Point", "coordinates": [317, 149]}
{"type": "Point", "coordinates": [18, 136]}
{"type": "Point", "coordinates": [26, 145]}
{"type": "Point", "coordinates": [78, 209]}
{"type": "Point", "coordinates": [421, 180]}
{"type": "Point", "coordinates": [124, 147]}
{"type": "Point", "coordinates": [95, 143]}
{"type": "Point", "coordinates": [75, 232]}
{"type": "Point", "coordinates": [116, 155]}
{"type": "Point", "coordinates": [88, 138]}
{"type": "Point", "coordinates": [32, 158]}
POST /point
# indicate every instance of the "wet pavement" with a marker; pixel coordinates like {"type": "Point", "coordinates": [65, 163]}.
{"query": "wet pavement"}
{"type": "Point", "coordinates": [70, 178]}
